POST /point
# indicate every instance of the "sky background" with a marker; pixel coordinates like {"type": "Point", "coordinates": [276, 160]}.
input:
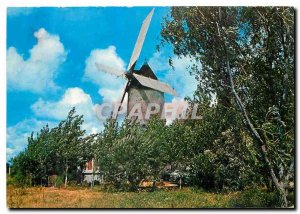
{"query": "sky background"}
{"type": "Point", "coordinates": [51, 55]}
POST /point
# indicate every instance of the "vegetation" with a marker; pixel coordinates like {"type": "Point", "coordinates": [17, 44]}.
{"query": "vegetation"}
{"type": "Point", "coordinates": [41, 197]}
{"type": "Point", "coordinates": [244, 56]}
{"type": "Point", "coordinates": [242, 148]}
{"type": "Point", "coordinates": [53, 151]}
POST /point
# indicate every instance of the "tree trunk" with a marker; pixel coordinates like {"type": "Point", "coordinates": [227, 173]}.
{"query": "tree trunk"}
{"type": "Point", "coordinates": [279, 185]}
{"type": "Point", "coordinates": [66, 175]}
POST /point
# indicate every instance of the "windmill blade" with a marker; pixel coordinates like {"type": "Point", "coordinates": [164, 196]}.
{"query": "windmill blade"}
{"type": "Point", "coordinates": [115, 116]}
{"type": "Point", "coordinates": [155, 84]}
{"type": "Point", "coordinates": [109, 70]}
{"type": "Point", "coordinates": [140, 40]}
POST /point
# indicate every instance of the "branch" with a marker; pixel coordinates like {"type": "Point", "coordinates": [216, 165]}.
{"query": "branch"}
{"type": "Point", "coordinates": [248, 122]}
{"type": "Point", "coordinates": [241, 105]}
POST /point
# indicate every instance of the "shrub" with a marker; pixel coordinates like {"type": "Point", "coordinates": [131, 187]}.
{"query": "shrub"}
{"type": "Point", "coordinates": [255, 198]}
{"type": "Point", "coordinates": [59, 182]}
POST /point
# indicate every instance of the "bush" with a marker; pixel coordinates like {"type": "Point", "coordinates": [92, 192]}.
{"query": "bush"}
{"type": "Point", "coordinates": [255, 198]}
{"type": "Point", "coordinates": [19, 180]}
{"type": "Point", "coordinates": [291, 198]}
{"type": "Point", "coordinates": [59, 182]}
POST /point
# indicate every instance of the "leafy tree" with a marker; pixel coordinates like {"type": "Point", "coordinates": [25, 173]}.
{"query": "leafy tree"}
{"type": "Point", "coordinates": [57, 150]}
{"type": "Point", "coordinates": [247, 62]}
{"type": "Point", "coordinates": [72, 148]}
{"type": "Point", "coordinates": [35, 162]}
{"type": "Point", "coordinates": [129, 153]}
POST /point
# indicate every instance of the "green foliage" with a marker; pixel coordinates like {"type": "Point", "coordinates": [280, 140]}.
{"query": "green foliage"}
{"type": "Point", "coordinates": [59, 181]}
{"type": "Point", "coordinates": [131, 155]}
{"type": "Point", "coordinates": [19, 180]}
{"type": "Point", "coordinates": [226, 161]}
{"type": "Point", "coordinates": [51, 151]}
{"type": "Point", "coordinates": [244, 57]}
{"type": "Point", "coordinates": [255, 198]}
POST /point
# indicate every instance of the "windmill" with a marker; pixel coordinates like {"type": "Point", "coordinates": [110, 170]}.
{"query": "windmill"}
{"type": "Point", "coordinates": [142, 85]}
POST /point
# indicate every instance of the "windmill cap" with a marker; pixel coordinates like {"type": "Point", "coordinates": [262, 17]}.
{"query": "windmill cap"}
{"type": "Point", "coordinates": [146, 71]}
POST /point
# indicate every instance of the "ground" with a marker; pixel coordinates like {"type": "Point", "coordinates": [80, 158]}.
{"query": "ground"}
{"type": "Point", "coordinates": [50, 197]}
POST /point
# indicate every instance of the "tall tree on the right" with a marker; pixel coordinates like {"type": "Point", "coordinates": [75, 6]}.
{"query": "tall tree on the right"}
{"type": "Point", "coordinates": [245, 58]}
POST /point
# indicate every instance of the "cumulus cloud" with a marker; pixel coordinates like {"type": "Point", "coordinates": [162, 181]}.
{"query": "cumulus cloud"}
{"type": "Point", "coordinates": [179, 78]}
{"type": "Point", "coordinates": [108, 57]}
{"type": "Point", "coordinates": [36, 73]}
{"type": "Point", "coordinates": [110, 86]}
{"type": "Point", "coordinates": [159, 62]}
{"type": "Point", "coordinates": [58, 110]}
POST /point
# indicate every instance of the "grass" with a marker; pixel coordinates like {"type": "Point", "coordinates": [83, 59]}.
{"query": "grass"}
{"type": "Point", "coordinates": [43, 197]}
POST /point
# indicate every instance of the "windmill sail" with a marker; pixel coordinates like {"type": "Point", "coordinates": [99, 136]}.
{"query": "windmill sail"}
{"type": "Point", "coordinates": [140, 40]}
{"type": "Point", "coordinates": [115, 115]}
{"type": "Point", "coordinates": [154, 84]}
{"type": "Point", "coordinates": [110, 70]}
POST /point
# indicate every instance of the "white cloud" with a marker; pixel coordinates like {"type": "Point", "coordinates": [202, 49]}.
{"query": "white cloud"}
{"type": "Point", "coordinates": [158, 62]}
{"type": "Point", "coordinates": [16, 136]}
{"type": "Point", "coordinates": [107, 57]}
{"type": "Point", "coordinates": [178, 106]}
{"type": "Point", "coordinates": [73, 97]}
{"type": "Point", "coordinates": [112, 95]}
{"type": "Point", "coordinates": [111, 87]}
{"type": "Point", "coordinates": [36, 73]}
{"type": "Point", "coordinates": [179, 78]}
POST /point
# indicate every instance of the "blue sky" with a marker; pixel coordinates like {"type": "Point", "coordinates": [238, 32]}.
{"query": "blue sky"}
{"type": "Point", "coordinates": [51, 54]}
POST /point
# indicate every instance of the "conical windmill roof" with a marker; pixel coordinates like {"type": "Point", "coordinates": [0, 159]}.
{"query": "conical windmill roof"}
{"type": "Point", "coordinates": [146, 71]}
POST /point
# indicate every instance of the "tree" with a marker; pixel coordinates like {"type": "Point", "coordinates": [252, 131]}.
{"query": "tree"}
{"type": "Point", "coordinates": [247, 61]}
{"type": "Point", "coordinates": [57, 150]}
{"type": "Point", "coordinates": [36, 161]}
{"type": "Point", "coordinates": [72, 148]}
{"type": "Point", "coordinates": [129, 153]}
